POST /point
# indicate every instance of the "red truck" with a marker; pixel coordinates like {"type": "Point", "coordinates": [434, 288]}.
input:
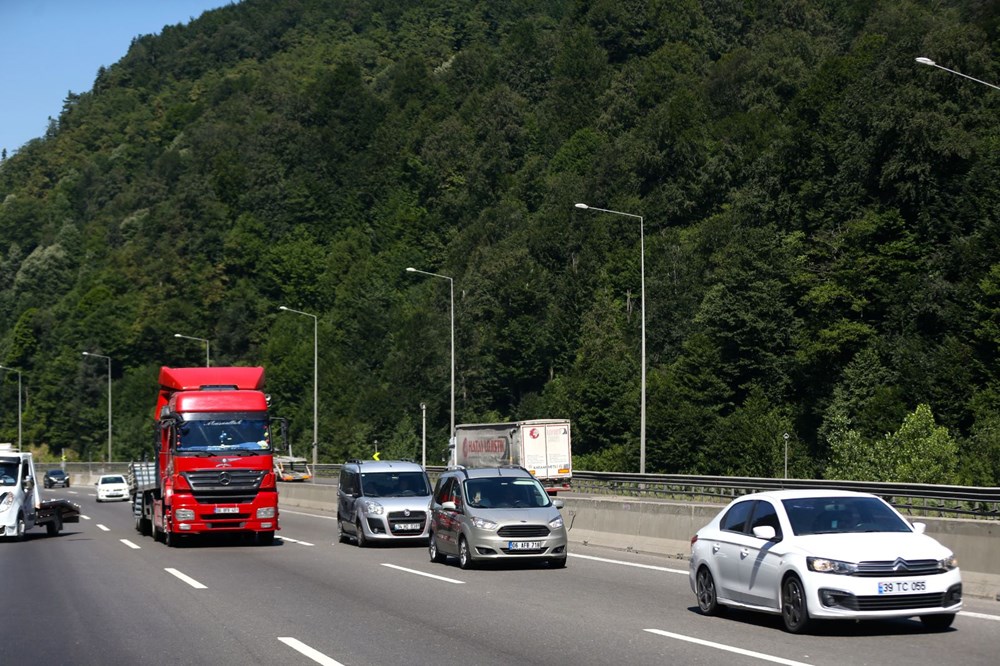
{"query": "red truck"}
{"type": "Point", "coordinates": [213, 469]}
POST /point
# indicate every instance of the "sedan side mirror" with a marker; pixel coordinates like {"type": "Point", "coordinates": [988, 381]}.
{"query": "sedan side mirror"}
{"type": "Point", "coordinates": [765, 532]}
{"type": "Point", "coordinates": [919, 528]}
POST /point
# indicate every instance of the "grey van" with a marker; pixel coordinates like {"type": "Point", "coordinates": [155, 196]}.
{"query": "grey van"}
{"type": "Point", "coordinates": [383, 500]}
{"type": "Point", "coordinates": [495, 513]}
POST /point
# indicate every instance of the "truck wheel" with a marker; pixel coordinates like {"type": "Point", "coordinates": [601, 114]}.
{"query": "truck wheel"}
{"type": "Point", "coordinates": [265, 538]}
{"type": "Point", "coordinates": [19, 535]}
{"type": "Point", "coordinates": [54, 526]}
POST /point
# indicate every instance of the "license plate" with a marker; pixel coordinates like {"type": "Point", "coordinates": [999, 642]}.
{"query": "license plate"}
{"type": "Point", "coordinates": [227, 509]}
{"type": "Point", "coordinates": [902, 587]}
{"type": "Point", "coordinates": [406, 527]}
{"type": "Point", "coordinates": [524, 545]}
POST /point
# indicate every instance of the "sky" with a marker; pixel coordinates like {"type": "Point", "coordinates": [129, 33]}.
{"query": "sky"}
{"type": "Point", "coordinates": [51, 47]}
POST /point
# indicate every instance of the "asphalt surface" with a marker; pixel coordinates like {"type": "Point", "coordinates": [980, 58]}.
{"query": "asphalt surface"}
{"type": "Point", "coordinates": [101, 594]}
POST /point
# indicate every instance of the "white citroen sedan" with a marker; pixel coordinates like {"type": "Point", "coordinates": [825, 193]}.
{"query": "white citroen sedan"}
{"type": "Point", "coordinates": [810, 554]}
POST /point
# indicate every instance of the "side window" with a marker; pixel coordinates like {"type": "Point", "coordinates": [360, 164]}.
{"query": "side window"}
{"type": "Point", "coordinates": [765, 515]}
{"type": "Point", "coordinates": [735, 519]}
{"type": "Point", "coordinates": [443, 492]}
{"type": "Point", "coordinates": [351, 482]}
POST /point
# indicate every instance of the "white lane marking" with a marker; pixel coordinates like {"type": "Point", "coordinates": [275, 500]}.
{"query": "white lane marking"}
{"type": "Point", "coordinates": [630, 564]}
{"type": "Point", "coordinates": [981, 616]}
{"type": "Point", "coordinates": [311, 515]}
{"type": "Point", "coordinates": [291, 540]}
{"type": "Point", "coordinates": [84, 517]}
{"type": "Point", "coordinates": [421, 573]}
{"type": "Point", "coordinates": [103, 528]}
{"type": "Point", "coordinates": [129, 544]}
{"type": "Point", "coordinates": [312, 653]}
{"type": "Point", "coordinates": [187, 579]}
{"type": "Point", "coordinates": [728, 648]}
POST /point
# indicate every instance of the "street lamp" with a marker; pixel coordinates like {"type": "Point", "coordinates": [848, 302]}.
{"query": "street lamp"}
{"type": "Point", "coordinates": [108, 358]}
{"type": "Point", "coordinates": [451, 282]}
{"type": "Point", "coordinates": [4, 367]}
{"type": "Point", "coordinates": [315, 380]}
{"type": "Point", "coordinates": [931, 63]}
{"type": "Point", "coordinates": [191, 337]}
{"type": "Point", "coordinates": [423, 435]}
{"type": "Point", "coordinates": [642, 282]}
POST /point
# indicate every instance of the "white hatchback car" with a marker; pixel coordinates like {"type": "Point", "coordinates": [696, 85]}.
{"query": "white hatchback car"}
{"type": "Point", "coordinates": [112, 487]}
{"type": "Point", "coordinates": [808, 554]}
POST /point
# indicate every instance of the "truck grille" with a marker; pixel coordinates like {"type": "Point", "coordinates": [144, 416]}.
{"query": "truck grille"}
{"type": "Point", "coordinates": [523, 531]}
{"type": "Point", "coordinates": [225, 485]}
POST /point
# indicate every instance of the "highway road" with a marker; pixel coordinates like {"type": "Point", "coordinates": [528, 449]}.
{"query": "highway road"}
{"type": "Point", "coordinates": [101, 594]}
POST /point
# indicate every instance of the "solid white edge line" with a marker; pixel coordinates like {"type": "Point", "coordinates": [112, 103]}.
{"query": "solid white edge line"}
{"type": "Point", "coordinates": [312, 515]}
{"type": "Point", "coordinates": [291, 540]}
{"type": "Point", "coordinates": [981, 616]}
{"type": "Point", "coordinates": [421, 573]}
{"type": "Point", "coordinates": [729, 648]}
{"type": "Point", "coordinates": [130, 544]}
{"type": "Point", "coordinates": [312, 653]}
{"type": "Point", "coordinates": [187, 579]}
{"type": "Point", "coordinates": [103, 528]}
{"type": "Point", "coordinates": [630, 564]}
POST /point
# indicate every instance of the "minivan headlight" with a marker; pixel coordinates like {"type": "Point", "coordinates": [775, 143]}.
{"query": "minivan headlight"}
{"type": "Point", "coordinates": [374, 508]}
{"type": "Point", "coordinates": [483, 524]}
{"type": "Point", "coordinates": [823, 565]}
{"type": "Point", "coordinates": [556, 523]}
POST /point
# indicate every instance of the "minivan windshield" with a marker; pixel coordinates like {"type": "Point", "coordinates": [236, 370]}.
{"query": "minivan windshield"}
{"type": "Point", "coordinates": [504, 492]}
{"type": "Point", "coordinates": [394, 484]}
{"type": "Point", "coordinates": [840, 515]}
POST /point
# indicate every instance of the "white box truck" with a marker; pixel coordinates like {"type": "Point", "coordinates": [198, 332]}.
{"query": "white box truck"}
{"type": "Point", "coordinates": [21, 505]}
{"type": "Point", "coordinates": [541, 446]}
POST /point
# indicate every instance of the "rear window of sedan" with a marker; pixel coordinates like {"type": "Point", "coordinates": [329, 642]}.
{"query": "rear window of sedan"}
{"type": "Point", "coordinates": [837, 515]}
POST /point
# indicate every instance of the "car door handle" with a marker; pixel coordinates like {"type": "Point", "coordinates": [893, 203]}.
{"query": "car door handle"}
{"type": "Point", "coordinates": [744, 553]}
{"type": "Point", "coordinates": [715, 548]}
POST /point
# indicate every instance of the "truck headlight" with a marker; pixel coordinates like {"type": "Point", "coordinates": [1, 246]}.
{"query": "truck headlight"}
{"type": "Point", "coordinates": [265, 512]}
{"type": "Point", "coordinates": [184, 514]}
{"type": "Point", "coordinates": [6, 501]}
{"type": "Point", "coordinates": [374, 508]}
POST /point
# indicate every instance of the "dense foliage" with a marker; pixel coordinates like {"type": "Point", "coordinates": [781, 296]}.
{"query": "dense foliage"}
{"type": "Point", "coordinates": [820, 218]}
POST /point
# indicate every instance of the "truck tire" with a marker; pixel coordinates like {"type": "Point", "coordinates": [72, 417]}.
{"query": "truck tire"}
{"type": "Point", "coordinates": [53, 527]}
{"type": "Point", "coordinates": [19, 535]}
{"type": "Point", "coordinates": [265, 538]}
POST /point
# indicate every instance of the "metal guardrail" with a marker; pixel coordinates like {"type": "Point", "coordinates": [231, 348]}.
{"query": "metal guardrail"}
{"type": "Point", "coordinates": [911, 498]}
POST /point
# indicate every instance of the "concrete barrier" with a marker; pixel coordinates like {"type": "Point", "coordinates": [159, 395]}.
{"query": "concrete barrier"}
{"type": "Point", "coordinates": [665, 529]}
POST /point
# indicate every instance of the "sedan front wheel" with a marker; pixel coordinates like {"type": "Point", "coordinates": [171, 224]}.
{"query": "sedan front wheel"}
{"type": "Point", "coordinates": [794, 610]}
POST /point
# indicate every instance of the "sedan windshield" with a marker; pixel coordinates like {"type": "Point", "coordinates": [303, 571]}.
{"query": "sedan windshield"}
{"type": "Point", "coordinates": [504, 492]}
{"type": "Point", "coordinates": [839, 515]}
{"type": "Point", "coordinates": [227, 434]}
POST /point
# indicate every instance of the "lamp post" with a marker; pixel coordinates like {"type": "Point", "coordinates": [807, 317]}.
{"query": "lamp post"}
{"type": "Point", "coordinates": [315, 380]}
{"type": "Point", "coordinates": [423, 435]}
{"type": "Point", "coordinates": [191, 337]}
{"type": "Point", "coordinates": [642, 283]}
{"type": "Point", "coordinates": [4, 367]}
{"type": "Point", "coordinates": [931, 63]}
{"type": "Point", "coordinates": [451, 282]}
{"type": "Point", "coordinates": [108, 358]}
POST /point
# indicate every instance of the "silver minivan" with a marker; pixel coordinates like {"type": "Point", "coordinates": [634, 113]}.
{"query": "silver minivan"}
{"type": "Point", "coordinates": [496, 513]}
{"type": "Point", "coordinates": [387, 500]}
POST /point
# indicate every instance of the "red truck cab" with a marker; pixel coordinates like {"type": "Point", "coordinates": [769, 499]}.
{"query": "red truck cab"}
{"type": "Point", "coordinates": [214, 464]}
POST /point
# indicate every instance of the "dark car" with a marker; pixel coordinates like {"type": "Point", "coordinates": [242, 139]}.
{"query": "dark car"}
{"type": "Point", "coordinates": [56, 477]}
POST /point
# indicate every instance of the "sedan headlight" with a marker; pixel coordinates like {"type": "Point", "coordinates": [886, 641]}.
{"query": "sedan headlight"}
{"type": "Point", "coordinates": [374, 508]}
{"type": "Point", "coordinates": [484, 524]}
{"type": "Point", "coordinates": [949, 563]}
{"type": "Point", "coordinates": [823, 565]}
{"type": "Point", "coordinates": [556, 523]}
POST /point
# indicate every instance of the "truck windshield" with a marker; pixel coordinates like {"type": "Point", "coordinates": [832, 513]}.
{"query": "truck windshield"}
{"type": "Point", "coordinates": [8, 473]}
{"type": "Point", "coordinates": [224, 433]}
